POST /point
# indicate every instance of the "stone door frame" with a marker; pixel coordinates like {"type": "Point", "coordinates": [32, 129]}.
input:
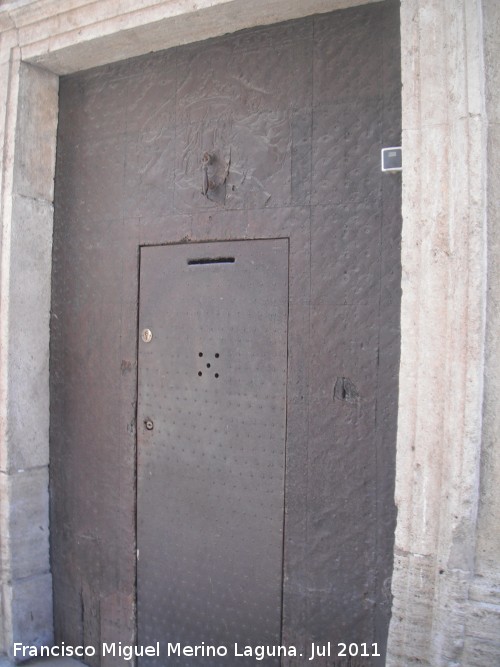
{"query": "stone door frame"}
{"type": "Point", "coordinates": [448, 315]}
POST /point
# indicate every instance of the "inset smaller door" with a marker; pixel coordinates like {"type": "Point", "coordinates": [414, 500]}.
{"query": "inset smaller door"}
{"type": "Point", "coordinates": [211, 446]}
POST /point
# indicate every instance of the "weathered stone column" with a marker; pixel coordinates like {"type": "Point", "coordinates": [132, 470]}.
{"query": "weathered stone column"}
{"type": "Point", "coordinates": [443, 328]}
{"type": "Point", "coordinates": [482, 642]}
{"type": "Point", "coordinates": [29, 116]}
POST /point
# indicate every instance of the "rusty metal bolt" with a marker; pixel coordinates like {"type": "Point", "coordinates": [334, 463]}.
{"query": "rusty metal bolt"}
{"type": "Point", "coordinates": [207, 158]}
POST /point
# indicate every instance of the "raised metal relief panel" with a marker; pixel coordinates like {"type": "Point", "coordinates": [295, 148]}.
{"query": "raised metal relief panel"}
{"type": "Point", "coordinates": [211, 445]}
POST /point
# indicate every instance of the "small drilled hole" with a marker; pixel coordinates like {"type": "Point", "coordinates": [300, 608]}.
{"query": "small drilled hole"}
{"type": "Point", "coordinates": [216, 355]}
{"type": "Point", "coordinates": [200, 354]}
{"type": "Point", "coordinates": [200, 373]}
{"type": "Point", "coordinates": [216, 375]}
{"type": "Point", "coordinates": [208, 365]}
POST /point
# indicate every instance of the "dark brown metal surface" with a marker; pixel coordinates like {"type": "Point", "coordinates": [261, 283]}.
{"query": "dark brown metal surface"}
{"type": "Point", "coordinates": [292, 118]}
{"type": "Point", "coordinates": [210, 472]}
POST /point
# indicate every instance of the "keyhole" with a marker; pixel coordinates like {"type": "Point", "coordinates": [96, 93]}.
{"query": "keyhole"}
{"type": "Point", "coordinates": [147, 335]}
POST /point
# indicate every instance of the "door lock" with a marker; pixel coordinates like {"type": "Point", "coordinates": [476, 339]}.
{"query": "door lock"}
{"type": "Point", "coordinates": [148, 424]}
{"type": "Point", "coordinates": [147, 335]}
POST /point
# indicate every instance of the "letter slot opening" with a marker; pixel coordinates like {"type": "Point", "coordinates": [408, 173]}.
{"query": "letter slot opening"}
{"type": "Point", "coordinates": [211, 260]}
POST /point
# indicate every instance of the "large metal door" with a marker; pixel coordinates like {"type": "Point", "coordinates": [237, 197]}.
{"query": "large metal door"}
{"type": "Point", "coordinates": [211, 446]}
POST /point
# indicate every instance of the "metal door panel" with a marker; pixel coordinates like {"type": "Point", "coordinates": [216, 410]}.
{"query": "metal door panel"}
{"type": "Point", "coordinates": [212, 384]}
